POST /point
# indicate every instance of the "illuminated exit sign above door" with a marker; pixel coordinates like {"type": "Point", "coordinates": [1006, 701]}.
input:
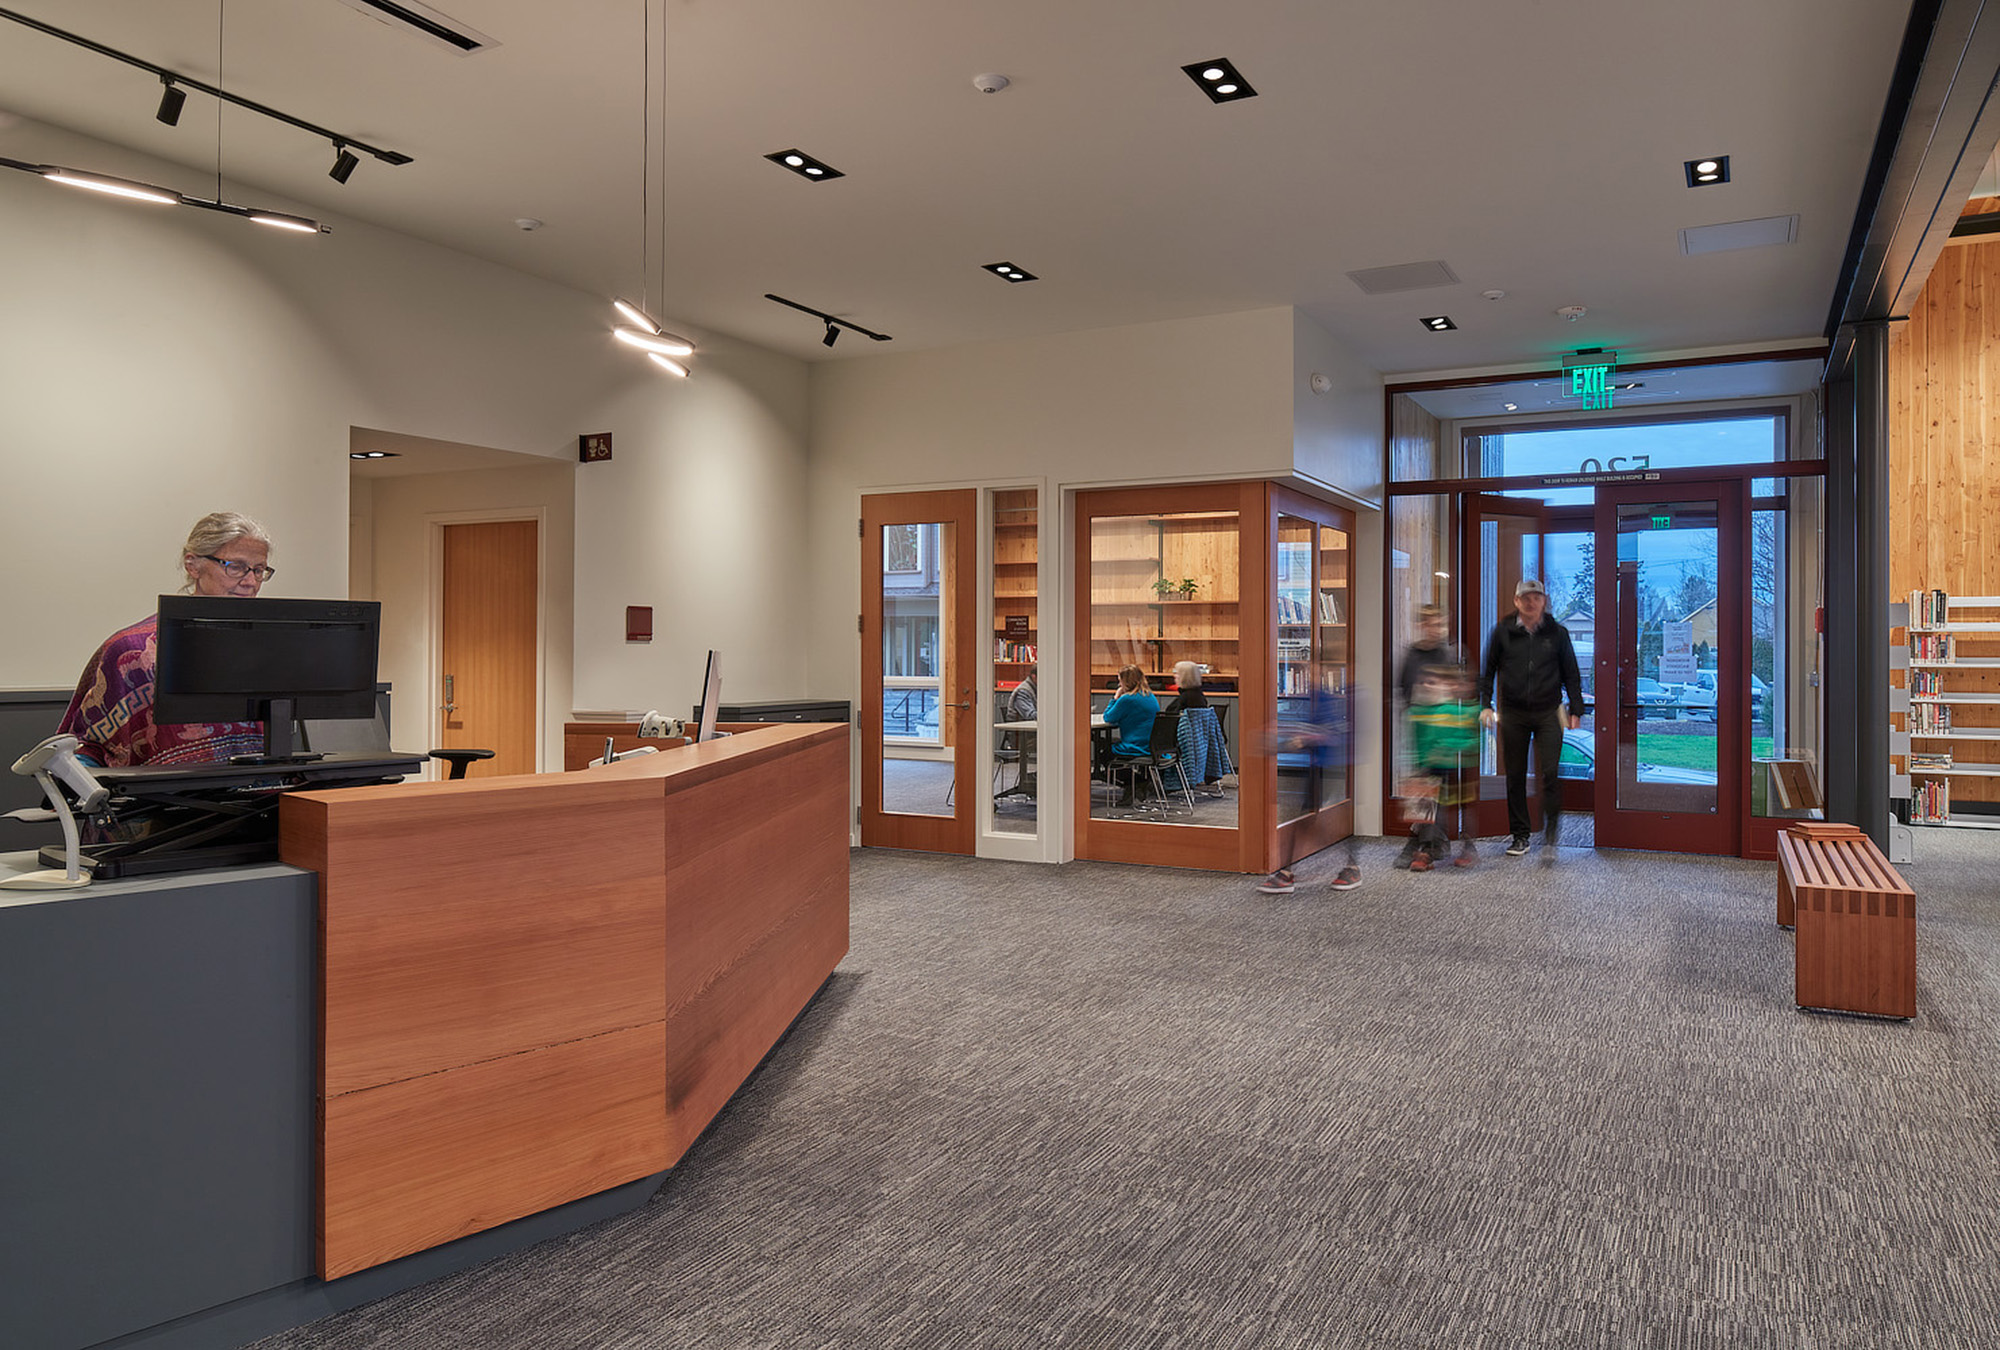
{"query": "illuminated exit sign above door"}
{"type": "Point", "coordinates": [1588, 374]}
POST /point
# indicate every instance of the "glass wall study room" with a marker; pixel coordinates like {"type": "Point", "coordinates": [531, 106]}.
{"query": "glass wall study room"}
{"type": "Point", "coordinates": [1213, 679]}
{"type": "Point", "coordinates": [1677, 533]}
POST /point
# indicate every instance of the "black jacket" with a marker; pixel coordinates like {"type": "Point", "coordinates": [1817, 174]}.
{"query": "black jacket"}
{"type": "Point", "coordinates": [1533, 669]}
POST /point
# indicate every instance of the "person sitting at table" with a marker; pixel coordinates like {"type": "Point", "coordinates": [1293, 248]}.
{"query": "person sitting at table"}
{"type": "Point", "coordinates": [1187, 689]}
{"type": "Point", "coordinates": [1021, 703]}
{"type": "Point", "coordinates": [111, 713]}
{"type": "Point", "coordinates": [1133, 713]}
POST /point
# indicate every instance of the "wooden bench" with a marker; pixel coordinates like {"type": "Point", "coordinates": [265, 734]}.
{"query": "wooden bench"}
{"type": "Point", "coordinates": [1855, 919]}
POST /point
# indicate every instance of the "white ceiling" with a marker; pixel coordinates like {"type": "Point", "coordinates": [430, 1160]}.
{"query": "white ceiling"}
{"type": "Point", "coordinates": [1535, 147]}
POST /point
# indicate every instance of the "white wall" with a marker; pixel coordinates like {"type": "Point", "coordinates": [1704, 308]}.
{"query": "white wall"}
{"type": "Point", "coordinates": [701, 514]}
{"type": "Point", "coordinates": [156, 364]}
{"type": "Point", "coordinates": [1338, 435]}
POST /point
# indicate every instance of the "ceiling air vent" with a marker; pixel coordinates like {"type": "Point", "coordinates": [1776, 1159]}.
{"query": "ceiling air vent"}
{"type": "Point", "coordinates": [1417, 276]}
{"type": "Point", "coordinates": [1735, 234]}
{"type": "Point", "coordinates": [421, 21]}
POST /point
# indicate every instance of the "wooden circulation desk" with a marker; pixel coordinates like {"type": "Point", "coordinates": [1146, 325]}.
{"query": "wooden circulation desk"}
{"type": "Point", "coordinates": [539, 987]}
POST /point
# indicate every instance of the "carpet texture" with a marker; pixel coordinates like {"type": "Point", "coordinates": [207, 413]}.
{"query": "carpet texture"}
{"type": "Point", "coordinates": [1513, 1106]}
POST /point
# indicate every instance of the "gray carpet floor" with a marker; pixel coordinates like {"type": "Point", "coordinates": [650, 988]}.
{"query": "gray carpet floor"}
{"type": "Point", "coordinates": [1511, 1106]}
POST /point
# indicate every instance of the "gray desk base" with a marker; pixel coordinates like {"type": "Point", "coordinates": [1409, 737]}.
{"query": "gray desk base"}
{"type": "Point", "coordinates": [156, 1148]}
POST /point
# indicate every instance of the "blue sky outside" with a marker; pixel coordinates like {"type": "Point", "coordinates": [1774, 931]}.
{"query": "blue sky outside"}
{"type": "Point", "coordinates": [1660, 445]}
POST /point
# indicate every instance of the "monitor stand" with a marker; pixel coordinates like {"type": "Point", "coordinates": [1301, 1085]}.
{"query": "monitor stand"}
{"type": "Point", "coordinates": [278, 714]}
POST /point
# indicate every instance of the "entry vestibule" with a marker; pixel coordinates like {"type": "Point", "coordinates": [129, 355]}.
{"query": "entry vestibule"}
{"type": "Point", "coordinates": [1691, 597]}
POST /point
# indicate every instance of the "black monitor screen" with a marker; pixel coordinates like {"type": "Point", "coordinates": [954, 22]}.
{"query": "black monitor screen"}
{"type": "Point", "coordinates": [228, 659]}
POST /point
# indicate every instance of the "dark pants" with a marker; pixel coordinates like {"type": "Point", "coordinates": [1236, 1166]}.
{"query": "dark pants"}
{"type": "Point", "coordinates": [1545, 729]}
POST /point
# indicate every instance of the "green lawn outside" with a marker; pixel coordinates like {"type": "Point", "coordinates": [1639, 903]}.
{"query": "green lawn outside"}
{"type": "Point", "coordinates": [1691, 752]}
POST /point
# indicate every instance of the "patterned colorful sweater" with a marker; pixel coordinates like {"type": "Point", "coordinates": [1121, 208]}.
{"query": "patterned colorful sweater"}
{"type": "Point", "coordinates": [1445, 735]}
{"type": "Point", "coordinates": [111, 713]}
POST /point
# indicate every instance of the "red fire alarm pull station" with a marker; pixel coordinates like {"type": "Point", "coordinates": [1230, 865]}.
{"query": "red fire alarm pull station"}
{"type": "Point", "coordinates": [593, 447]}
{"type": "Point", "coordinates": [638, 623]}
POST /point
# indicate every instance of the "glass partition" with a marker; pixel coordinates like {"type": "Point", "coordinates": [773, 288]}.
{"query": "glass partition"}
{"type": "Point", "coordinates": [1164, 593]}
{"type": "Point", "coordinates": [1016, 682]}
{"type": "Point", "coordinates": [917, 771]}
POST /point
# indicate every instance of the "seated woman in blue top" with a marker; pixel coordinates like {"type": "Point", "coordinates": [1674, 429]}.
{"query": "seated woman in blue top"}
{"type": "Point", "coordinates": [1132, 712]}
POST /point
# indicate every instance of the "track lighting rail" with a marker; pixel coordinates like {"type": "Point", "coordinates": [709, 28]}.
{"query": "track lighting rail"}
{"type": "Point", "coordinates": [340, 140]}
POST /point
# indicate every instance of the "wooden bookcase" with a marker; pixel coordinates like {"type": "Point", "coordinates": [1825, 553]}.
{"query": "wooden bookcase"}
{"type": "Point", "coordinates": [1016, 584]}
{"type": "Point", "coordinates": [1134, 621]}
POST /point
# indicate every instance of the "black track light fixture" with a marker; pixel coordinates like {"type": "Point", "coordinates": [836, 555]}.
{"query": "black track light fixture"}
{"type": "Point", "coordinates": [833, 324]}
{"type": "Point", "coordinates": [172, 99]}
{"type": "Point", "coordinates": [343, 163]}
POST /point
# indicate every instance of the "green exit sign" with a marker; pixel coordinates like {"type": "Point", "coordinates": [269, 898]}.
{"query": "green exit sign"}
{"type": "Point", "coordinates": [1589, 375]}
{"type": "Point", "coordinates": [1663, 522]}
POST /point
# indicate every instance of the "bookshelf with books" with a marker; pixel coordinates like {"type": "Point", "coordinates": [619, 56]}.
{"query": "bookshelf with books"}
{"type": "Point", "coordinates": [1164, 589]}
{"type": "Point", "coordinates": [1016, 585]}
{"type": "Point", "coordinates": [1950, 701]}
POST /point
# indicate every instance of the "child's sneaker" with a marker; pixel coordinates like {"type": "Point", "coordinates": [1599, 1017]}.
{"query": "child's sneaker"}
{"type": "Point", "coordinates": [1468, 856]}
{"type": "Point", "coordinates": [1349, 878]}
{"type": "Point", "coordinates": [1421, 862]}
{"type": "Point", "coordinates": [1278, 883]}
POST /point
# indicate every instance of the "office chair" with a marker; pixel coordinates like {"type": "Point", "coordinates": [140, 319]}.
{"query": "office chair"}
{"type": "Point", "coordinates": [1161, 753]}
{"type": "Point", "coordinates": [370, 736]}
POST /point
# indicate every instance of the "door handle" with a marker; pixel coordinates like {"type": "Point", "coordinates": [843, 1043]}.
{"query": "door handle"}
{"type": "Point", "coordinates": [449, 705]}
{"type": "Point", "coordinates": [957, 705]}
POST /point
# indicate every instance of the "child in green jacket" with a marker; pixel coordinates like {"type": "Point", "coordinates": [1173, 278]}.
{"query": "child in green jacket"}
{"type": "Point", "coordinates": [1444, 741]}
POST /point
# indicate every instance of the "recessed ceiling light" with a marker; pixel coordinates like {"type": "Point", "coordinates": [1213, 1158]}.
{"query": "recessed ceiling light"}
{"type": "Point", "coordinates": [1511, 407]}
{"type": "Point", "coordinates": [804, 165]}
{"type": "Point", "coordinates": [373, 454]}
{"type": "Point", "coordinates": [1006, 271]}
{"type": "Point", "coordinates": [1219, 80]}
{"type": "Point", "coordinates": [1636, 384]}
{"type": "Point", "coordinates": [1438, 323]}
{"type": "Point", "coordinates": [1707, 171]}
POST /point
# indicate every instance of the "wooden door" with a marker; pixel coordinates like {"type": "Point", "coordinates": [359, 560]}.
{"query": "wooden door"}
{"type": "Point", "coordinates": [1666, 781]}
{"type": "Point", "coordinates": [919, 667]}
{"type": "Point", "coordinates": [487, 689]}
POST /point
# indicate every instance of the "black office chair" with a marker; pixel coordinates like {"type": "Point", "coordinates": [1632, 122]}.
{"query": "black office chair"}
{"type": "Point", "coordinates": [459, 760]}
{"type": "Point", "coordinates": [371, 736]}
{"type": "Point", "coordinates": [1162, 753]}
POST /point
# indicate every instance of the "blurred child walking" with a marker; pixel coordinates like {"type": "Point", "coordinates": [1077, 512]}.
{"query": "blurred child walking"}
{"type": "Point", "coordinates": [1444, 743]}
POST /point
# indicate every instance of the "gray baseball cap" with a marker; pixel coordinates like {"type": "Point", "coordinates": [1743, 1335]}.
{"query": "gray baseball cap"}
{"type": "Point", "coordinates": [1529, 586]}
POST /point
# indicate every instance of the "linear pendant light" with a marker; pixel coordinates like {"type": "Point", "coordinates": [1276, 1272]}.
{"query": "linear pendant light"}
{"type": "Point", "coordinates": [116, 187]}
{"type": "Point", "coordinates": [645, 332]}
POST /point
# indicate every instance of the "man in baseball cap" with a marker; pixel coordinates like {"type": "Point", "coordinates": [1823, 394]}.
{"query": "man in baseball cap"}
{"type": "Point", "coordinates": [1530, 666]}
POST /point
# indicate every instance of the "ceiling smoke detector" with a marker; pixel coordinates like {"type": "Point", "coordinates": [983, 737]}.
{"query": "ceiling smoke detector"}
{"type": "Point", "coordinates": [1571, 313]}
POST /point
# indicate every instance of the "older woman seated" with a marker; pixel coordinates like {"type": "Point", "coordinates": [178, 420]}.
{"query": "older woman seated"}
{"type": "Point", "coordinates": [111, 713]}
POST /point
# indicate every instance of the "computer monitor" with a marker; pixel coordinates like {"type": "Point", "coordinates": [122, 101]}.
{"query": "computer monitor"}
{"type": "Point", "coordinates": [229, 659]}
{"type": "Point", "coordinates": [711, 700]}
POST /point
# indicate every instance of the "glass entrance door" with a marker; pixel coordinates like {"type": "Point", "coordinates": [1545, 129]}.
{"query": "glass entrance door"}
{"type": "Point", "coordinates": [1678, 645]}
{"type": "Point", "coordinates": [918, 664]}
{"type": "Point", "coordinates": [1502, 544]}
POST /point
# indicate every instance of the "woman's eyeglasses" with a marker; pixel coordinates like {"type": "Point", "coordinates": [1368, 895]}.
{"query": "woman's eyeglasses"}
{"type": "Point", "coordinates": [236, 569]}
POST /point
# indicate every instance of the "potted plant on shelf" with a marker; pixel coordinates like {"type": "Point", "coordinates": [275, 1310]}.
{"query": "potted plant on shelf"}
{"type": "Point", "coordinates": [1164, 589]}
{"type": "Point", "coordinates": [1187, 588]}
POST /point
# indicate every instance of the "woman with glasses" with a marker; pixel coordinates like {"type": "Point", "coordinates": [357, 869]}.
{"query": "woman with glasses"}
{"type": "Point", "coordinates": [111, 713]}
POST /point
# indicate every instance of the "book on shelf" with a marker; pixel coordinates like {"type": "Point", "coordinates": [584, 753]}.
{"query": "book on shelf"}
{"type": "Point", "coordinates": [1929, 759]}
{"type": "Point", "coordinates": [1930, 647]}
{"type": "Point", "coordinates": [1928, 608]}
{"type": "Point", "coordinates": [1930, 802]}
{"type": "Point", "coordinates": [1021, 653]}
{"type": "Point", "coordinates": [1932, 718]}
{"type": "Point", "coordinates": [1926, 684]}
{"type": "Point", "coordinates": [1329, 608]}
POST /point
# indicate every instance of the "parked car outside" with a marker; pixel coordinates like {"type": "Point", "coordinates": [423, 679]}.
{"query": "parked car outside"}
{"type": "Point", "coordinates": [1698, 698]}
{"type": "Point", "coordinates": [1656, 700]}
